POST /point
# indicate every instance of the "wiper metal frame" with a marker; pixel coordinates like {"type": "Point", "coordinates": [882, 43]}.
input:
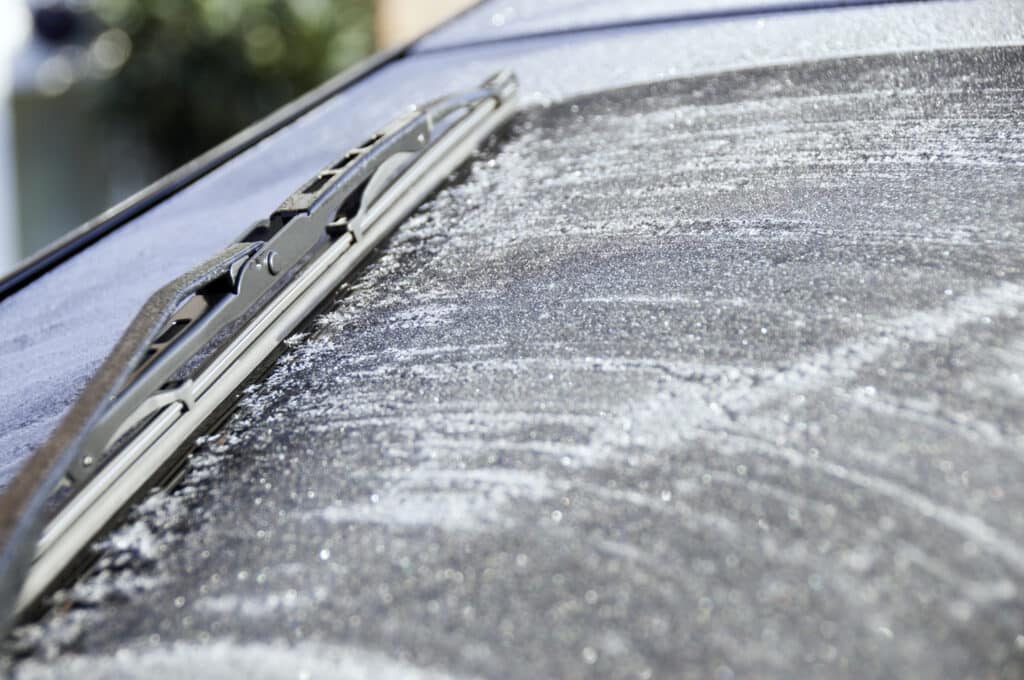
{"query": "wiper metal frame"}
{"type": "Point", "coordinates": [109, 452]}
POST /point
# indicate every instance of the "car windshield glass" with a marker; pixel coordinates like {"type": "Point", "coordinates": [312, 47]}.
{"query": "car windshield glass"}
{"type": "Point", "coordinates": [698, 371]}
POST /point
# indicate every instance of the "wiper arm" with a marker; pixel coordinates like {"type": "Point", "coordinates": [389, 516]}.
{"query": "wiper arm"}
{"type": "Point", "coordinates": [200, 337]}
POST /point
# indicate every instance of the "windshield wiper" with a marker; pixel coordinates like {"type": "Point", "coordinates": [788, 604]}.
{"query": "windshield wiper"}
{"type": "Point", "coordinates": [196, 341]}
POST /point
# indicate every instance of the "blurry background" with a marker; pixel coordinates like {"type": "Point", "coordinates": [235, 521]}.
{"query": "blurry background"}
{"type": "Point", "coordinates": [100, 97]}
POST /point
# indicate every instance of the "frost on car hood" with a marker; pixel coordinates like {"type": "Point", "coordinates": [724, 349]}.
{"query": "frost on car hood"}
{"type": "Point", "coordinates": [715, 376]}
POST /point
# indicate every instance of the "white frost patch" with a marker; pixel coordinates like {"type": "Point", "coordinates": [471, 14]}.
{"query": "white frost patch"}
{"type": "Point", "coordinates": [424, 316]}
{"type": "Point", "coordinates": [1011, 378]}
{"type": "Point", "coordinates": [256, 607]}
{"type": "Point", "coordinates": [140, 541]}
{"type": "Point", "coordinates": [452, 500]}
{"type": "Point", "coordinates": [305, 661]}
{"type": "Point", "coordinates": [697, 410]}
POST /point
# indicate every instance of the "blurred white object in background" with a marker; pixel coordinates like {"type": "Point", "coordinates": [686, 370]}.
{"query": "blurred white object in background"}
{"type": "Point", "coordinates": [398, 21]}
{"type": "Point", "coordinates": [15, 24]}
{"type": "Point", "coordinates": [69, 164]}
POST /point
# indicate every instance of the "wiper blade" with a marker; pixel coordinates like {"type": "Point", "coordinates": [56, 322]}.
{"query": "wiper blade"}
{"type": "Point", "coordinates": [197, 340]}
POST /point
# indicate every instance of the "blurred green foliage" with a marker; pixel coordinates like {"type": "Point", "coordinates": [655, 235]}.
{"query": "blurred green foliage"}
{"type": "Point", "coordinates": [196, 71]}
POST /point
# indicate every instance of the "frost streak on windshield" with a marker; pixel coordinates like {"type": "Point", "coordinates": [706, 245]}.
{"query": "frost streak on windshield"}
{"type": "Point", "coordinates": [714, 377]}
